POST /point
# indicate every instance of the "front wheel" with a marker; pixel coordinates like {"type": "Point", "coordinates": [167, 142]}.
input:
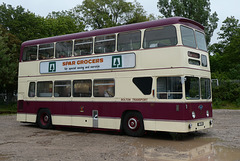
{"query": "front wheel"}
{"type": "Point", "coordinates": [133, 124]}
{"type": "Point", "coordinates": [44, 119]}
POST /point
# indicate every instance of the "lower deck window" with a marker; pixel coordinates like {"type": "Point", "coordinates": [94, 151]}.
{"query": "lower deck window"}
{"type": "Point", "coordinates": [192, 88]}
{"type": "Point", "coordinates": [205, 88]}
{"type": "Point", "coordinates": [169, 88]}
{"type": "Point", "coordinates": [104, 88]}
{"type": "Point", "coordinates": [44, 89]}
{"type": "Point", "coordinates": [82, 88]}
{"type": "Point", "coordinates": [144, 84]}
{"type": "Point", "coordinates": [62, 88]}
{"type": "Point", "coordinates": [31, 89]}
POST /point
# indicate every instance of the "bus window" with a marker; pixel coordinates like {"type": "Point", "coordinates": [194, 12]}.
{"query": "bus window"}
{"type": "Point", "coordinates": [188, 38]}
{"type": "Point", "coordinates": [104, 44]}
{"type": "Point", "coordinates": [144, 84]}
{"type": "Point", "coordinates": [44, 89]}
{"type": "Point", "coordinates": [169, 88]}
{"type": "Point", "coordinates": [205, 88]}
{"type": "Point", "coordinates": [46, 51]}
{"type": "Point", "coordinates": [104, 88]}
{"type": "Point", "coordinates": [201, 42]}
{"type": "Point", "coordinates": [160, 37]}
{"type": "Point", "coordinates": [63, 49]}
{"type": "Point", "coordinates": [29, 53]}
{"type": "Point", "coordinates": [204, 60]}
{"type": "Point", "coordinates": [31, 89]}
{"type": "Point", "coordinates": [129, 40]}
{"type": "Point", "coordinates": [82, 88]}
{"type": "Point", "coordinates": [62, 88]}
{"type": "Point", "coordinates": [83, 46]}
{"type": "Point", "coordinates": [192, 88]}
{"type": "Point", "coordinates": [194, 62]}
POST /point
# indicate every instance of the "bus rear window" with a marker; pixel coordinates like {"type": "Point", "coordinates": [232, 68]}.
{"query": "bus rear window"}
{"type": "Point", "coordinates": [188, 38]}
{"type": "Point", "coordinates": [129, 41]}
{"type": "Point", "coordinates": [31, 89]}
{"type": "Point", "coordinates": [160, 37]}
{"type": "Point", "coordinates": [29, 53]}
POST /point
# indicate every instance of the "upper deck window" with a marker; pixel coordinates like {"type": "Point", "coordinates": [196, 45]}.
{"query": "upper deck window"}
{"type": "Point", "coordinates": [105, 44]}
{"type": "Point", "coordinates": [83, 46]}
{"type": "Point", "coordinates": [46, 51]}
{"type": "Point", "coordinates": [63, 49]}
{"type": "Point", "coordinates": [201, 42]}
{"type": "Point", "coordinates": [29, 53]}
{"type": "Point", "coordinates": [160, 37]}
{"type": "Point", "coordinates": [188, 38]}
{"type": "Point", "coordinates": [129, 41]}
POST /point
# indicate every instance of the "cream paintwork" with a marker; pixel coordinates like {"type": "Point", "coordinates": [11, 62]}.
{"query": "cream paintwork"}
{"type": "Point", "coordinates": [176, 126]}
{"type": "Point", "coordinates": [115, 123]}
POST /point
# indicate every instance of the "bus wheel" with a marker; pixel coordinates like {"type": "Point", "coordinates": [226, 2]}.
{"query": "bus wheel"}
{"type": "Point", "coordinates": [44, 119]}
{"type": "Point", "coordinates": [133, 124]}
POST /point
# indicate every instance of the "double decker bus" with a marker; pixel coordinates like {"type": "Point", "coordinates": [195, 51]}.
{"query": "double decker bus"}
{"type": "Point", "coordinates": [139, 77]}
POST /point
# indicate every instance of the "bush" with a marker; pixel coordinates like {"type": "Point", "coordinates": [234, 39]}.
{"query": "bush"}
{"type": "Point", "coordinates": [227, 91]}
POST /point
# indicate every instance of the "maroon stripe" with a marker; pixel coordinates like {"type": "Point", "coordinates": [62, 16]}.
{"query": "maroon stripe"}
{"type": "Point", "coordinates": [151, 110]}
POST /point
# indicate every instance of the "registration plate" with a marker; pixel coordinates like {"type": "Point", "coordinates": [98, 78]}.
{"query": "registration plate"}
{"type": "Point", "coordinates": [200, 123]}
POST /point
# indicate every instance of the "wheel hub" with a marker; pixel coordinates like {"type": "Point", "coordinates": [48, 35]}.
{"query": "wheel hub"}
{"type": "Point", "coordinates": [132, 123]}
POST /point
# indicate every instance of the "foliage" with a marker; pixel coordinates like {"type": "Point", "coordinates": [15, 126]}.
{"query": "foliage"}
{"type": "Point", "coordinates": [9, 47]}
{"type": "Point", "coordinates": [107, 13]}
{"type": "Point", "coordinates": [64, 22]}
{"type": "Point", "coordinates": [227, 93]}
{"type": "Point", "coordinates": [225, 55]}
{"type": "Point", "coordinates": [24, 24]}
{"type": "Point", "coordinates": [8, 109]}
{"type": "Point", "coordinates": [198, 10]}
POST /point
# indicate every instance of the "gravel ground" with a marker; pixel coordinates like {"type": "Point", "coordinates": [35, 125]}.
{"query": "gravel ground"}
{"type": "Point", "coordinates": [19, 141]}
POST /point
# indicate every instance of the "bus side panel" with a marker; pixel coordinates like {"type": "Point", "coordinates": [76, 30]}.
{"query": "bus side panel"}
{"type": "Point", "coordinates": [109, 113]}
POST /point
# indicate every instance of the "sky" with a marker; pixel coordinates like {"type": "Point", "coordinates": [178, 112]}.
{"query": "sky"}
{"type": "Point", "coordinates": [224, 8]}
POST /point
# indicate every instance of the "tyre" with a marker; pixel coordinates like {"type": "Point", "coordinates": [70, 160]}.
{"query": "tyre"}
{"type": "Point", "coordinates": [133, 124]}
{"type": "Point", "coordinates": [44, 119]}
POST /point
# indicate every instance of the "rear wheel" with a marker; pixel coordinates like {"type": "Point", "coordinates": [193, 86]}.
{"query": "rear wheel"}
{"type": "Point", "coordinates": [44, 119]}
{"type": "Point", "coordinates": [133, 124]}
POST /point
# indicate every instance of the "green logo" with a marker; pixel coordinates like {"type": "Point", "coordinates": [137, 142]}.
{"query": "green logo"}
{"type": "Point", "coordinates": [117, 61]}
{"type": "Point", "coordinates": [52, 67]}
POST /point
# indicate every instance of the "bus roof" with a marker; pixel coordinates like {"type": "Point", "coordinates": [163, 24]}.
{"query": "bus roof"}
{"type": "Point", "coordinates": [136, 26]}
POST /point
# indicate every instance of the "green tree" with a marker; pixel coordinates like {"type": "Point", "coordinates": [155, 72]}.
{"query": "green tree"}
{"type": "Point", "coordinates": [9, 47]}
{"type": "Point", "coordinates": [225, 55]}
{"type": "Point", "coordinates": [24, 24]}
{"type": "Point", "coordinates": [64, 22]}
{"type": "Point", "coordinates": [198, 10]}
{"type": "Point", "coordinates": [106, 13]}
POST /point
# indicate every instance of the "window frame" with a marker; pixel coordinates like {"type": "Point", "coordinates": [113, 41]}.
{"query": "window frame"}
{"type": "Point", "coordinates": [104, 92]}
{"type": "Point", "coordinates": [171, 81]}
{"type": "Point", "coordinates": [80, 93]}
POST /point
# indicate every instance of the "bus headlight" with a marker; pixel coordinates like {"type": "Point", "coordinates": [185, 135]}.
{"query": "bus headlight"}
{"type": "Point", "coordinates": [207, 113]}
{"type": "Point", "coordinates": [193, 115]}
